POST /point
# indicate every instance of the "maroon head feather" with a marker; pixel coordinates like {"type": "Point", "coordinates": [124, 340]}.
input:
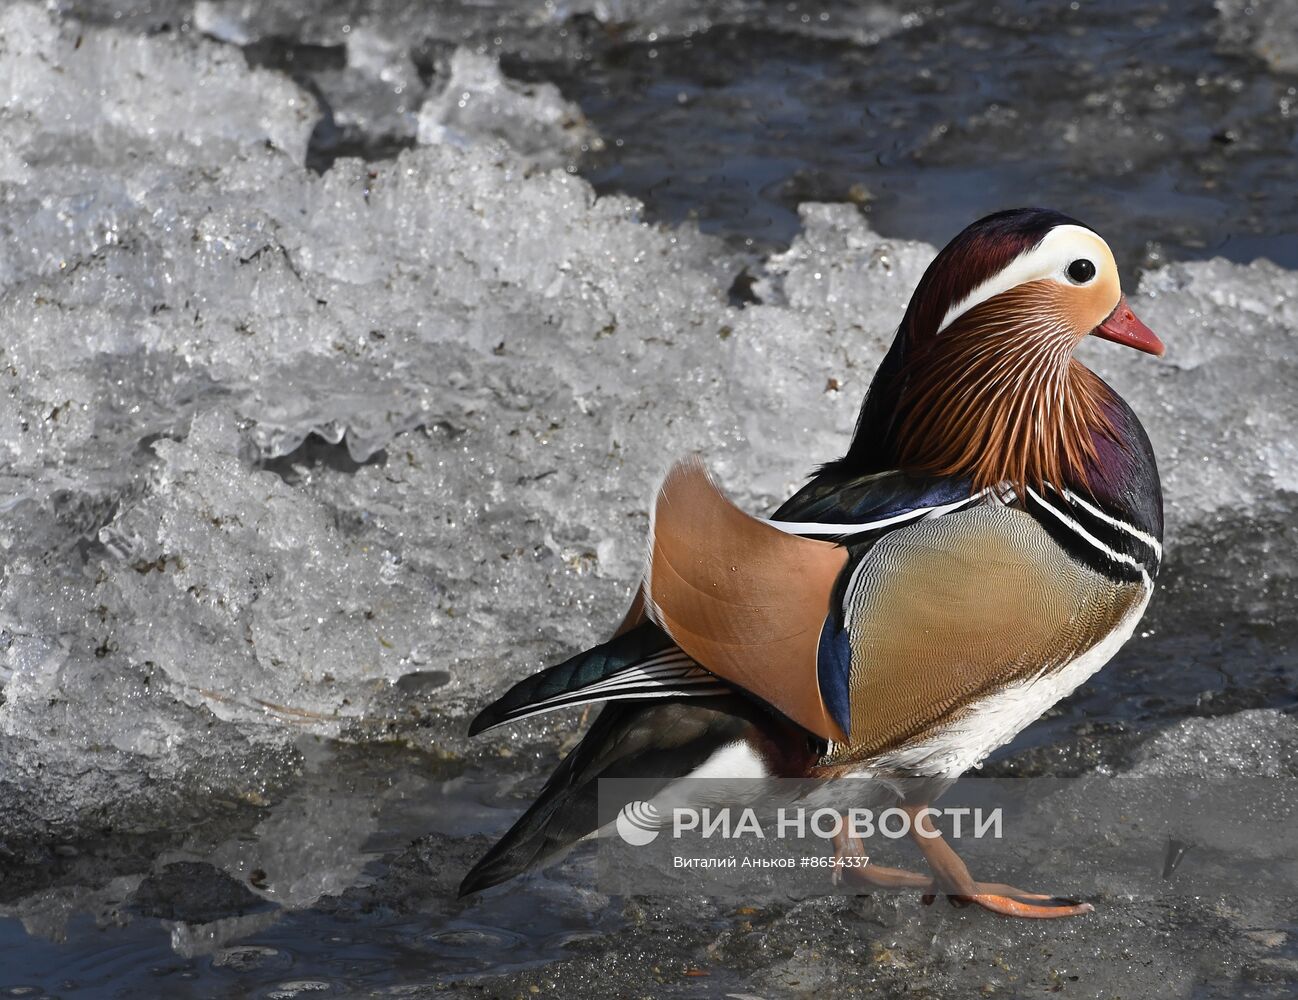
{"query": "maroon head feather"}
{"type": "Point", "coordinates": [982, 250]}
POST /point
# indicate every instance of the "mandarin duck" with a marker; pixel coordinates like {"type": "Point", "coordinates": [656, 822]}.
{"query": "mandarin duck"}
{"type": "Point", "coordinates": [986, 544]}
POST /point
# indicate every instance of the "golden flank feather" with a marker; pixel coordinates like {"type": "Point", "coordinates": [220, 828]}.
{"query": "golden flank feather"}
{"type": "Point", "coordinates": [946, 612]}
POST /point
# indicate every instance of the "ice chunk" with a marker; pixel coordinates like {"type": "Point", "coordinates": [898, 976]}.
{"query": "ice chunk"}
{"type": "Point", "coordinates": [226, 22]}
{"type": "Point", "coordinates": [79, 96]}
{"type": "Point", "coordinates": [1268, 28]}
{"type": "Point", "coordinates": [370, 92]}
{"type": "Point", "coordinates": [257, 602]}
{"type": "Point", "coordinates": [477, 101]}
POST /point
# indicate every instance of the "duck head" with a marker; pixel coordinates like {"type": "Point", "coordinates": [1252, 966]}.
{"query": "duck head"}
{"type": "Point", "coordinates": [981, 380]}
{"type": "Point", "coordinates": [1030, 265]}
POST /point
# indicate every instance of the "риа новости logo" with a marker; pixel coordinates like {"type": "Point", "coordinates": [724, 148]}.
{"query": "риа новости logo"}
{"type": "Point", "coordinates": [638, 823]}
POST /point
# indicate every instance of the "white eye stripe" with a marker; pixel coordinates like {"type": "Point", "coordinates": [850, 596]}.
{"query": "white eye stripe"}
{"type": "Point", "coordinates": [1048, 259]}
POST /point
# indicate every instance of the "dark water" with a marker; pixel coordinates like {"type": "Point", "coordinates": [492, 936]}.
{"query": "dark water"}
{"type": "Point", "coordinates": [312, 952]}
{"type": "Point", "coordinates": [1129, 116]}
{"type": "Point", "coordinates": [386, 833]}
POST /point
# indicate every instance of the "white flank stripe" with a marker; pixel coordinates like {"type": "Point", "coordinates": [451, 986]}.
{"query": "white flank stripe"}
{"type": "Point", "coordinates": [585, 694]}
{"type": "Point", "coordinates": [621, 679]}
{"type": "Point", "coordinates": [641, 669]}
{"type": "Point", "coordinates": [634, 675]}
{"type": "Point", "coordinates": [668, 657]}
{"type": "Point", "coordinates": [580, 695]}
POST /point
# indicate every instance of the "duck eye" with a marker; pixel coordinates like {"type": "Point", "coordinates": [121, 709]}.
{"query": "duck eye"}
{"type": "Point", "coordinates": [1081, 271]}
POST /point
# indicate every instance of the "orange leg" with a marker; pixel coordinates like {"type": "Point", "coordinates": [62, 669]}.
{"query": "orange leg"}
{"type": "Point", "coordinates": [950, 875]}
{"type": "Point", "coordinates": [877, 876]}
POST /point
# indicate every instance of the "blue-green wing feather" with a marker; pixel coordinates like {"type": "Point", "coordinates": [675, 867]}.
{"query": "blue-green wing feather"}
{"type": "Point", "coordinates": [640, 663]}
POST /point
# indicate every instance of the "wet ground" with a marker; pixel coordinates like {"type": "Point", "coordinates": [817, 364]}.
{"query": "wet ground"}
{"type": "Point", "coordinates": [332, 873]}
{"type": "Point", "coordinates": [355, 873]}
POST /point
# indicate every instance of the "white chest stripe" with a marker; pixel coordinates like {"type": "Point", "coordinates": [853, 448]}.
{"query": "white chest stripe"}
{"type": "Point", "coordinates": [1130, 529]}
{"type": "Point", "coordinates": [1111, 553]}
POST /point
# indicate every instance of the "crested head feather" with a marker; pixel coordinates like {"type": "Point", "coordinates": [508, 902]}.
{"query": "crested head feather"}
{"type": "Point", "coordinates": [974, 257]}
